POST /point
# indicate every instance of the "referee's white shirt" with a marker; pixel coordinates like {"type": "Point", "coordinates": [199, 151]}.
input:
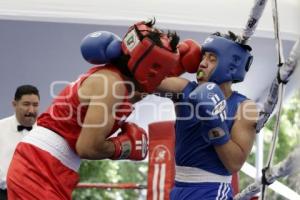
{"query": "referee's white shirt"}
{"type": "Point", "coordinates": [9, 138]}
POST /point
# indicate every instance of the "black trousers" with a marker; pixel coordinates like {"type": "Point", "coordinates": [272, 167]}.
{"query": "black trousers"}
{"type": "Point", "coordinates": [3, 194]}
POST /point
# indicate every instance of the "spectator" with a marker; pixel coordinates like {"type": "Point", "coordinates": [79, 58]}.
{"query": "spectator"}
{"type": "Point", "coordinates": [15, 127]}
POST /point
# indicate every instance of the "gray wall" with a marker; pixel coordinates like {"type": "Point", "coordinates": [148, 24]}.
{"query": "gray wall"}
{"type": "Point", "coordinates": [39, 53]}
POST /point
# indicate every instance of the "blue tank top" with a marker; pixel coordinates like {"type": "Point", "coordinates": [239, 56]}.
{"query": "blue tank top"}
{"type": "Point", "coordinates": [193, 148]}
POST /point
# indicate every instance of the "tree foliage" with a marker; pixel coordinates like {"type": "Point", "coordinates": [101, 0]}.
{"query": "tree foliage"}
{"type": "Point", "coordinates": [288, 139]}
{"type": "Point", "coordinates": [108, 171]}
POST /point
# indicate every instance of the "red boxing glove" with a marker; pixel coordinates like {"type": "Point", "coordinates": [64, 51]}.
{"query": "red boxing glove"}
{"type": "Point", "coordinates": [131, 143]}
{"type": "Point", "coordinates": [190, 57]}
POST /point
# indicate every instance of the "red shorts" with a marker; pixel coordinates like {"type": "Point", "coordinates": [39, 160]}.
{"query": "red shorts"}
{"type": "Point", "coordinates": [35, 173]}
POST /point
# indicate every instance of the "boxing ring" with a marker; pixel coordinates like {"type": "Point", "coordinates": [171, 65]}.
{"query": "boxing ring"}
{"type": "Point", "coordinates": [161, 165]}
{"type": "Point", "coordinates": [161, 134]}
{"type": "Point", "coordinates": [161, 168]}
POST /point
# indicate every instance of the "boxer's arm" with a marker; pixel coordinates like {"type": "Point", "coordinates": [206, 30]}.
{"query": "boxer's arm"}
{"type": "Point", "coordinates": [99, 120]}
{"type": "Point", "coordinates": [172, 85]}
{"type": "Point", "coordinates": [234, 153]}
{"type": "Point", "coordinates": [190, 58]}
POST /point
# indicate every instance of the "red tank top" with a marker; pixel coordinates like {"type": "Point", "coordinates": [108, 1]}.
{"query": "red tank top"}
{"type": "Point", "coordinates": [65, 115]}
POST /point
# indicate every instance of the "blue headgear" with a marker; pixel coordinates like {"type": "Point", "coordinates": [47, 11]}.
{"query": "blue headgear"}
{"type": "Point", "coordinates": [234, 60]}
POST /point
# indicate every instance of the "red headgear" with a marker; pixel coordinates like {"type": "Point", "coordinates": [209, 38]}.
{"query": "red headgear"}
{"type": "Point", "coordinates": [148, 62]}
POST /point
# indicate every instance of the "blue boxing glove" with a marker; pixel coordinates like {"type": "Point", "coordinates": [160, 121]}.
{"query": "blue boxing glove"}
{"type": "Point", "coordinates": [101, 47]}
{"type": "Point", "coordinates": [210, 106]}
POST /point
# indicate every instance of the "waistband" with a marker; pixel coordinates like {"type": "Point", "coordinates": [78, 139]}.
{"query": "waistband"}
{"type": "Point", "coordinates": [53, 143]}
{"type": "Point", "coordinates": [196, 175]}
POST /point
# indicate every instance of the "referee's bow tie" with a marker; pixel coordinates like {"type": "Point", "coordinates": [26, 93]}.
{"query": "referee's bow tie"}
{"type": "Point", "coordinates": [21, 128]}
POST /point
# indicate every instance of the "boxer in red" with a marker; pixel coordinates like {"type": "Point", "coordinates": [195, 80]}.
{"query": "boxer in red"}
{"type": "Point", "coordinates": [81, 120]}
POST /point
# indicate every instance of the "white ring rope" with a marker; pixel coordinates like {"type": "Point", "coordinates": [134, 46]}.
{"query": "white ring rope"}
{"type": "Point", "coordinates": [282, 169]}
{"type": "Point", "coordinates": [277, 125]}
{"type": "Point", "coordinates": [276, 32]}
{"type": "Point", "coordinates": [279, 170]}
{"type": "Point", "coordinates": [285, 167]}
{"type": "Point", "coordinates": [272, 149]}
{"type": "Point", "coordinates": [253, 19]}
{"type": "Point", "coordinates": [284, 72]}
{"type": "Point", "coordinates": [275, 94]}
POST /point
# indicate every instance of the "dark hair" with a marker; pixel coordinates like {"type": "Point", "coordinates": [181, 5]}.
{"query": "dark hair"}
{"type": "Point", "coordinates": [26, 89]}
{"type": "Point", "coordinates": [234, 37]}
{"type": "Point", "coordinates": [155, 35]}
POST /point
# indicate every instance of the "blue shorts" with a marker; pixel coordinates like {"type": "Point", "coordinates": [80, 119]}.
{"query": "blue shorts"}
{"type": "Point", "coordinates": [205, 191]}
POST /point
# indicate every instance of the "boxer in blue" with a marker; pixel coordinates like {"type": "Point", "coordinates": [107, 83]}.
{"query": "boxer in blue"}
{"type": "Point", "coordinates": [215, 126]}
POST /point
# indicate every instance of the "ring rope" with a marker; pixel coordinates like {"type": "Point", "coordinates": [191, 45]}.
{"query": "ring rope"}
{"type": "Point", "coordinates": [282, 169]}
{"type": "Point", "coordinates": [284, 72]}
{"type": "Point", "coordinates": [277, 88]}
{"type": "Point", "coordinates": [255, 14]}
{"type": "Point", "coordinates": [130, 186]}
{"type": "Point", "coordinates": [266, 169]}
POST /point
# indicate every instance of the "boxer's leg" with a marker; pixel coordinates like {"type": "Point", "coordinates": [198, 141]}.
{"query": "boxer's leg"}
{"type": "Point", "coordinates": [36, 174]}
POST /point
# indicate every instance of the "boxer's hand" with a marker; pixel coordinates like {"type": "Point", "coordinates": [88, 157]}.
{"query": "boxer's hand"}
{"type": "Point", "coordinates": [131, 143]}
{"type": "Point", "coordinates": [190, 57]}
{"type": "Point", "coordinates": [101, 47]}
{"type": "Point", "coordinates": [210, 105]}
